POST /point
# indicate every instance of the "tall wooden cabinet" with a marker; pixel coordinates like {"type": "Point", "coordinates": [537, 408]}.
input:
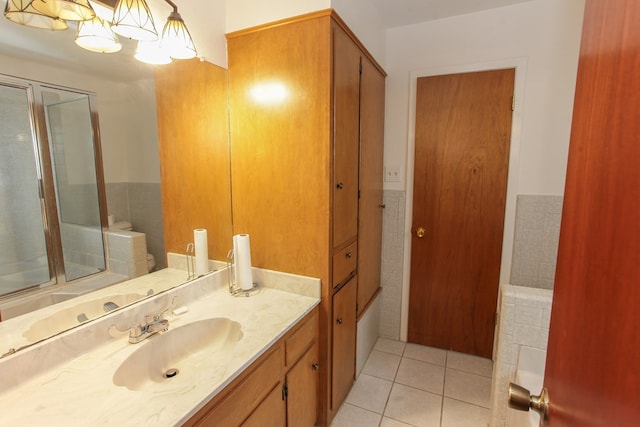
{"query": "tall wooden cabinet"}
{"type": "Point", "coordinates": [306, 113]}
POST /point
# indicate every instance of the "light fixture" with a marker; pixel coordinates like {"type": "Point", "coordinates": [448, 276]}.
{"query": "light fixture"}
{"type": "Point", "coordinates": [69, 10]}
{"type": "Point", "coordinates": [176, 38]}
{"type": "Point", "coordinates": [152, 53]}
{"type": "Point", "coordinates": [132, 19]}
{"type": "Point", "coordinates": [22, 12]}
{"type": "Point", "coordinates": [96, 35]}
{"type": "Point", "coordinates": [97, 28]}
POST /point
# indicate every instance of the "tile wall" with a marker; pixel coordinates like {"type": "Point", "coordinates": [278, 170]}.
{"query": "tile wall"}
{"type": "Point", "coordinates": [537, 231]}
{"type": "Point", "coordinates": [392, 263]}
{"type": "Point", "coordinates": [141, 205]}
{"type": "Point", "coordinates": [523, 321]}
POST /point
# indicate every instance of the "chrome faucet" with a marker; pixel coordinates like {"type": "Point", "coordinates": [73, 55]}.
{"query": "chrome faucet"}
{"type": "Point", "coordinates": [153, 325]}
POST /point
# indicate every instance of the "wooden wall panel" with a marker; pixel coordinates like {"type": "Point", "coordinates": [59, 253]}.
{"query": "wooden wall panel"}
{"type": "Point", "coordinates": [283, 205]}
{"type": "Point", "coordinates": [191, 100]}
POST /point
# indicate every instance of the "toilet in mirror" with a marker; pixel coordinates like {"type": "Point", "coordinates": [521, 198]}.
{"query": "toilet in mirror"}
{"type": "Point", "coordinates": [135, 242]}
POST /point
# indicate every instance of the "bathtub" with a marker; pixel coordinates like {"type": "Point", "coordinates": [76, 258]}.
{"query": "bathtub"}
{"type": "Point", "coordinates": [530, 375]}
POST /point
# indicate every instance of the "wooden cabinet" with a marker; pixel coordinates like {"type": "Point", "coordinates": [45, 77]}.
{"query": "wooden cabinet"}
{"type": "Point", "coordinates": [299, 115]}
{"type": "Point", "coordinates": [371, 177]}
{"type": "Point", "coordinates": [302, 390]}
{"type": "Point", "coordinates": [344, 341]}
{"type": "Point", "coordinates": [281, 386]}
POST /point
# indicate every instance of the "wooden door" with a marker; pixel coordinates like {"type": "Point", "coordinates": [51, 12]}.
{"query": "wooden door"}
{"type": "Point", "coordinates": [302, 386]}
{"type": "Point", "coordinates": [346, 112]}
{"type": "Point", "coordinates": [344, 342]}
{"type": "Point", "coordinates": [370, 201]}
{"type": "Point", "coordinates": [592, 372]}
{"type": "Point", "coordinates": [463, 129]}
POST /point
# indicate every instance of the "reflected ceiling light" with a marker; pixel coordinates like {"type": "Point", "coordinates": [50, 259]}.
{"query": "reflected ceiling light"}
{"type": "Point", "coordinates": [69, 10]}
{"type": "Point", "coordinates": [152, 53]}
{"type": "Point", "coordinates": [132, 19]}
{"type": "Point", "coordinates": [22, 12]}
{"type": "Point", "coordinates": [269, 93]}
{"type": "Point", "coordinates": [176, 38]}
{"type": "Point", "coordinates": [96, 35]}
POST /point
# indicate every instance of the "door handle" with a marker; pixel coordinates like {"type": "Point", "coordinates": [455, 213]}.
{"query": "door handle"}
{"type": "Point", "coordinates": [420, 232]}
{"type": "Point", "coordinates": [521, 399]}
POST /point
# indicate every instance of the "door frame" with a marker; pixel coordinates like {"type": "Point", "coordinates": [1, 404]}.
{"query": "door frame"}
{"type": "Point", "coordinates": [520, 65]}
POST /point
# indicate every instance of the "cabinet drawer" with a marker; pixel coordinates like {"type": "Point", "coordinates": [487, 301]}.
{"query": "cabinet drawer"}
{"type": "Point", "coordinates": [344, 262]}
{"type": "Point", "coordinates": [301, 339]}
{"type": "Point", "coordinates": [242, 400]}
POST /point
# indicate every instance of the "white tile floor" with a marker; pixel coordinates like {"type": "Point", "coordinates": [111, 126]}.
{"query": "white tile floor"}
{"type": "Point", "coordinates": [408, 385]}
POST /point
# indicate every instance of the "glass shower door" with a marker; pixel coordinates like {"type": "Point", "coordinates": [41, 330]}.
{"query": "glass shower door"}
{"type": "Point", "coordinates": [23, 247]}
{"type": "Point", "coordinates": [71, 142]}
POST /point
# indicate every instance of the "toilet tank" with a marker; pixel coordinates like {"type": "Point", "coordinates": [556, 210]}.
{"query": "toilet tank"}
{"type": "Point", "coordinates": [121, 225]}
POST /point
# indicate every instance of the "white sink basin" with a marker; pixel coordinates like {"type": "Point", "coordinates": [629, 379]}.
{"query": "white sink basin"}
{"type": "Point", "coordinates": [73, 316]}
{"type": "Point", "coordinates": [179, 354]}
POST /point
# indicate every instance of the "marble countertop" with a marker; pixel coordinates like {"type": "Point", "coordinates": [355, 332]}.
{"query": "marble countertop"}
{"type": "Point", "coordinates": [79, 390]}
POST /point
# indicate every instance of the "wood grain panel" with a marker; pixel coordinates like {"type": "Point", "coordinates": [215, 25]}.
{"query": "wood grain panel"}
{"type": "Point", "coordinates": [280, 150]}
{"type": "Point", "coordinates": [344, 342]}
{"type": "Point", "coordinates": [272, 411]}
{"type": "Point", "coordinates": [372, 89]}
{"type": "Point", "coordinates": [191, 101]}
{"type": "Point", "coordinates": [302, 385]}
{"type": "Point", "coordinates": [594, 340]}
{"type": "Point", "coordinates": [463, 125]}
{"type": "Point", "coordinates": [346, 112]}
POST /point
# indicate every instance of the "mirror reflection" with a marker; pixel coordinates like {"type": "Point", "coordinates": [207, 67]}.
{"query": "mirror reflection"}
{"type": "Point", "coordinates": [123, 94]}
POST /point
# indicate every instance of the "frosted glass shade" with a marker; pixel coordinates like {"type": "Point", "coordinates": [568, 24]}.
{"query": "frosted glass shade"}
{"type": "Point", "coordinates": [176, 39]}
{"type": "Point", "coordinates": [69, 10]}
{"type": "Point", "coordinates": [22, 12]}
{"type": "Point", "coordinates": [132, 19]}
{"type": "Point", "coordinates": [96, 36]}
{"type": "Point", "coordinates": [152, 53]}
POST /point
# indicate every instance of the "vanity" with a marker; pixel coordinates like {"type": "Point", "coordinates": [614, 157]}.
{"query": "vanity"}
{"type": "Point", "coordinates": [224, 360]}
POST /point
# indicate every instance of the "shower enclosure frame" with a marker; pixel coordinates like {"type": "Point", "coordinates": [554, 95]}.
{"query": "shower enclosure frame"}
{"type": "Point", "coordinates": [46, 179]}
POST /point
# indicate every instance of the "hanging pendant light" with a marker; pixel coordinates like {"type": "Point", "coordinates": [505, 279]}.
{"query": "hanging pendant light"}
{"type": "Point", "coordinates": [132, 19]}
{"type": "Point", "coordinates": [152, 53]}
{"type": "Point", "coordinates": [176, 38]}
{"type": "Point", "coordinates": [96, 35]}
{"type": "Point", "coordinates": [69, 10]}
{"type": "Point", "coordinates": [22, 12]}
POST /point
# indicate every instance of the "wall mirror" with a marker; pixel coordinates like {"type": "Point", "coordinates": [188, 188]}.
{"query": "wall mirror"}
{"type": "Point", "coordinates": [123, 92]}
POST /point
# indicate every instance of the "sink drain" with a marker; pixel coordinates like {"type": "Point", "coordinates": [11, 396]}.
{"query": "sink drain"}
{"type": "Point", "coordinates": [170, 373]}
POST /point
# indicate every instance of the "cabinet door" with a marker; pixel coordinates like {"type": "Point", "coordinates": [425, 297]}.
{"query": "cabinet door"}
{"type": "Point", "coordinates": [346, 106]}
{"type": "Point", "coordinates": [302, 386]}
{"type": "Point", "coordinates": [271, 412]}
{"type": "Point", "coordinates": [344, 342]}
{"type": "Point", "coordinates": [371, 177]}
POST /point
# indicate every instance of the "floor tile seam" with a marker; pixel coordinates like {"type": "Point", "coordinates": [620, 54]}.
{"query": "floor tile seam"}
{"type": "Point", "coordinates": [377, 377]}
{"type": "Point", "coordinates": [415, 388]}
{"type": "Point", "coordinates": [421, 389]}
{"type": "Point", "coordinates": [395, 419]}
{"type": "Point", "coordinates": [389, 352]}
{"type": "Point", "coordinates": [471, 373]}
{"type": "Point", "coordinates": [464, 401]}
{"type": "Point", "coordinates": [366, 409]}
{"type": "Point", "coordinates": [423, 361]}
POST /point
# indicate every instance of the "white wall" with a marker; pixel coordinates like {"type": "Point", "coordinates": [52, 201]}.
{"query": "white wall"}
{"type": "Point", "coordinates": [541, 39]}
{"type": "Point", "coordinates": [544, 32]}
{"type": "Point", "coordinates": [205, 20]}
{"type": "Point", "coordinates": [126, 112]}
{"type": "Point", "coordinates": [249, 13]}
{"type": "Point", "coordinates": [365, 22]}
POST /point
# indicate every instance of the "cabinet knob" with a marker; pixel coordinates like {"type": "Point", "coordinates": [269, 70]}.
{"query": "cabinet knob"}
{"type": "Point", "coordinates": [339, 320]}
{"type": "Point", "coordinates": [382, 206]}
{"type": "Point", "coordinates": [348, 254]}
{"type": "Point", "coordinates": [315, 366]}
{"type": "Point", "coordinates": [340, 186]}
